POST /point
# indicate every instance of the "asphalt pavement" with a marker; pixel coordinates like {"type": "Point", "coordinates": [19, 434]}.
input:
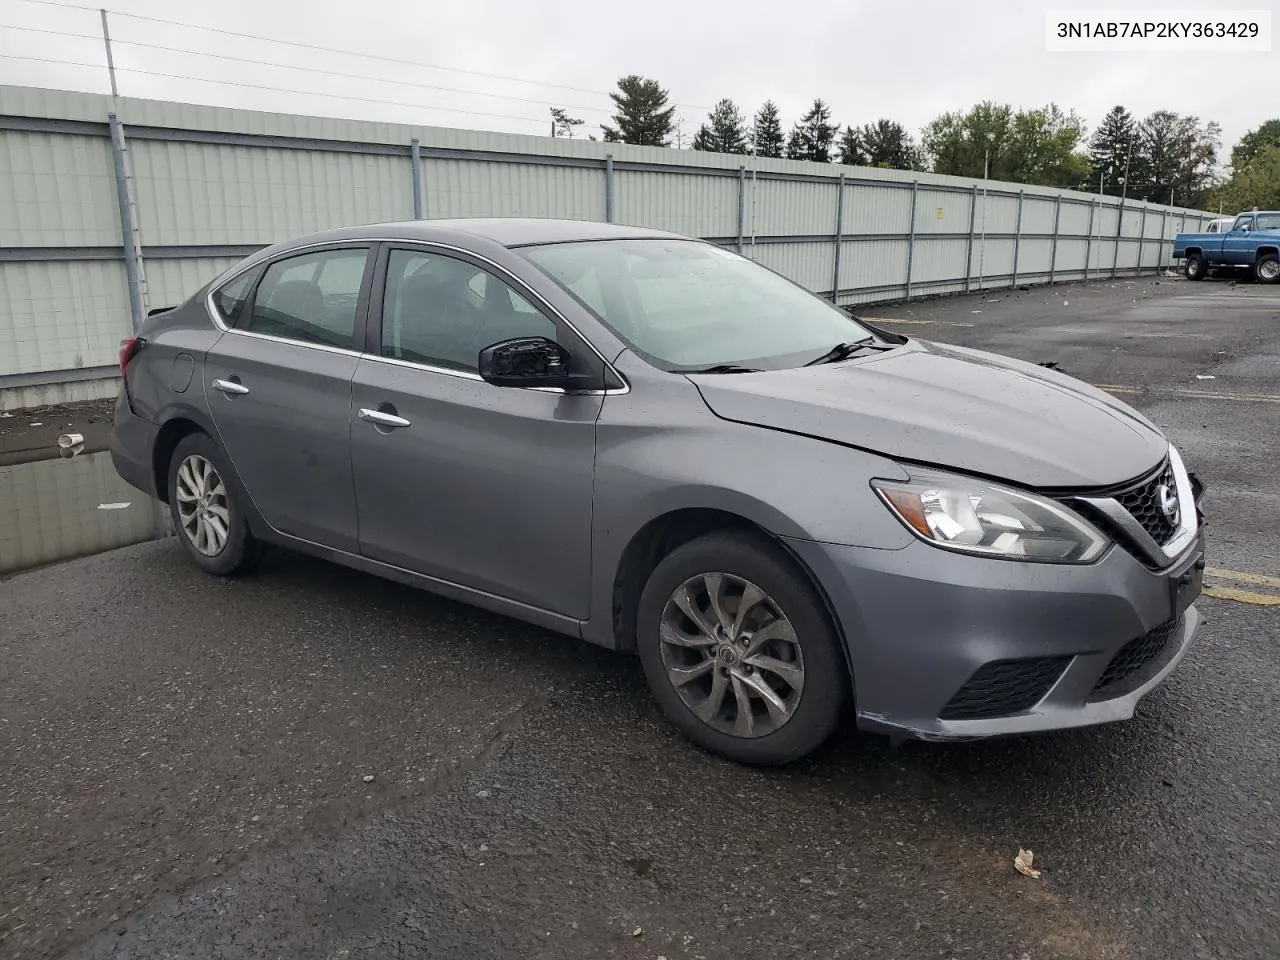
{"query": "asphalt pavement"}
{"type": "Point", "coordinates": [314, 762]}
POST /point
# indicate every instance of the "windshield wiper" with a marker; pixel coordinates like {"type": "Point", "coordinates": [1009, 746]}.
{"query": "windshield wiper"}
{"type": "Point", "coordinates": [843, 351]}
{"type": "Point", "coordinates": [723, 368]}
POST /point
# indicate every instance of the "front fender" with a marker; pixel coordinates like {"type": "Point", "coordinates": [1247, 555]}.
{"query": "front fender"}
{"type": "Point", "coordinates": [790, 486]}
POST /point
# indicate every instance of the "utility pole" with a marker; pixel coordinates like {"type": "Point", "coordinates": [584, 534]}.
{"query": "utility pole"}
{"type": "Point", "coordinates": [111, 64]}
{"type": "Point", "coordinates": [1124, 189]}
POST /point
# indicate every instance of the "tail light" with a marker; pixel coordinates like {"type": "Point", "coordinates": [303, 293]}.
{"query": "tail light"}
{"type": "Point", "coordinates": [128, 349]}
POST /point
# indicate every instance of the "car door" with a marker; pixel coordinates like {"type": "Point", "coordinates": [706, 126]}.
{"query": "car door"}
{"type": "Point", "coordinates": [1237, 247]}
{"type": "Point", "coordinates": [278, 386]}
{"type": "Point", "coordinates": [488, 487]}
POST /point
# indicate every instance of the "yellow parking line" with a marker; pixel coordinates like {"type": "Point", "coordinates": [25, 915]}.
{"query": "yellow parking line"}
{"type": "Point", "coordinates": [1188, 394]}
{"type": "Point", "coordinates": [1243, 596]}
{"type": "Point", "coordinates": [1241, 577]}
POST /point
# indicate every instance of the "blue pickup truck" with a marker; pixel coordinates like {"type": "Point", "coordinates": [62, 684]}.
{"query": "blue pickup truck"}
{"type": "Point", "coordinates": [1253, 242]}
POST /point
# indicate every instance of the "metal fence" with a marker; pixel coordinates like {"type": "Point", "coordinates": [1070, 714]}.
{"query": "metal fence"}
{"type": "Point", "coordinates": [112, 206]}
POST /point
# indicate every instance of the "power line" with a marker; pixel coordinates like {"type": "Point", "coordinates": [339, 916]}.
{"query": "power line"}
{"type": "Point", "coordinates": [323, 49]}
{"type": "Point", "coordinates": [259, 86]}
{"type": "Point", "coordinates": [115, 42]}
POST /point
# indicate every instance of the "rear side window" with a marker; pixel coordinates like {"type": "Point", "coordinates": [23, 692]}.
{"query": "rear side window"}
{"type": "Point", "coordinates": [229, 297]}
{"type": "Point", "coordinates": [311, 298]}
{"type": "Point", "coordinates": [1269, 221]}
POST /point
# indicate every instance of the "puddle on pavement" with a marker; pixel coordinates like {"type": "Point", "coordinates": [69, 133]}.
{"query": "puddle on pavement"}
{"type": "Point", "coordinates": [70, 507]}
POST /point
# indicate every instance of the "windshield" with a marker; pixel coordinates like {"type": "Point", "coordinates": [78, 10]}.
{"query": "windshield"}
{"type": "Point", "coordinates": [687, 305]}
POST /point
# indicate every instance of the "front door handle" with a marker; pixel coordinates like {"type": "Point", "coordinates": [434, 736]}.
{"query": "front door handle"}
{"type": "Point", "coordinates": [230, 387]}
{"type": "Point", "coordinates": [382, 419]}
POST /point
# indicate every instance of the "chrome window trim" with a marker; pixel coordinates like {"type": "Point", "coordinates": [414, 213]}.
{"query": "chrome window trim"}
{"type": "Point", "coordinates": [503, 272]}
{"type": "Point", "coordinates": [1188, 523]}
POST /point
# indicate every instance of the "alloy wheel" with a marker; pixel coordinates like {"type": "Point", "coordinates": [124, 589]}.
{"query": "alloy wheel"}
{"type": "Point", "coordinates": [1269, 270]}
{"type": "Point", "coordinates": [732, 655]}
{"type": "Point", "coordinates": [203, 508]}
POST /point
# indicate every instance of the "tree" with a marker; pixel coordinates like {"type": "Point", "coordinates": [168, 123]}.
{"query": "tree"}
{"type": "Point", "coordinates": [767, 138]}
{"type": "Point", "coordinates": [1030, 146]}
{"type": "Point", "coordinates": [963, 144]}
{"type": "Point", "coordinates": [1253, 142]}
{"type": "Point", "coordinates": [1175, 157]}
{"type": "Point", "coordinates": [813, 136]}
{"type": "Point", "coordinates": [642, 116]}
{"type": "Point", "coordinates": [851, 154]}
{"type": "Point", "coordinates": [724, 132]}
{"type": "Point", "coordinates": [1044, 145]}
{"type": "Point", "coordinates": [1110, 148]}
{"type": "Point", "coordinates": [886, 144]}
{"type": "Point", "coordinates": [1252, 184]}
{"type": "Point", "coordinates": [562, 124]}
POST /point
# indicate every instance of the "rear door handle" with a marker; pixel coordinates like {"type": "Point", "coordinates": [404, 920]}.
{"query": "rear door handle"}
{"type": "Point", "coordinates": [230, 387]}
{"type": "Point", "coordinates": [382, 419]}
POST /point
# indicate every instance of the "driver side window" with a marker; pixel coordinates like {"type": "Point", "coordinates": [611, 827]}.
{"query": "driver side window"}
{"type": "Point", "coordinates": [441, 311]}
{"type": "Point", "coordinates": [1242, 224]}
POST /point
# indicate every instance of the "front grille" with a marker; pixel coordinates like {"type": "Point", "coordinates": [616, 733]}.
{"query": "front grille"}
{"type": "Point", "coordinates": [1143, 501]}
{"type": "Point", "coordinates": [1125, 671]}
{"type": "Point", "coordinates": [1002, 687]}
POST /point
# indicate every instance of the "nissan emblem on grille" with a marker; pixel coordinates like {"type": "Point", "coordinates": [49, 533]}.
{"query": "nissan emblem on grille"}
{"type": "Point", "coordinates": [1169, 503]}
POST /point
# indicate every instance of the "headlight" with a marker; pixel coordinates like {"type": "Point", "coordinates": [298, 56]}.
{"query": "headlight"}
{"type": "Point", "coordinates": [973, 516]}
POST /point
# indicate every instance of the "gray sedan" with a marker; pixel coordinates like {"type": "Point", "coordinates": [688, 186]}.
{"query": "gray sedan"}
{"type": "Point", "coordinates": [661, 447]}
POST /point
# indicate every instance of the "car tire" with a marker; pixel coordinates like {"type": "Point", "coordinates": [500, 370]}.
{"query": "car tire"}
{"type": "Point", "coordinates": [785, 630]}
{"type": "Point", "coordinates": [1267, 269]}
{"type": "Point", "coordinates": [1195, 268]}
{"type": "Point", "coordinates": [207, 509]}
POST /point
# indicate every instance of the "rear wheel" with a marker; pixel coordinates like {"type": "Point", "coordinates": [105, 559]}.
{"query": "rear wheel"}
{"type": "Point", "coordinates": [1195, 267]}
{"type": "Point", "coordinates": [1267, 269]}
{"type": "Point", "coordinates": [207, 511]}
{"type": "Point", "coordinates": [739, 650]}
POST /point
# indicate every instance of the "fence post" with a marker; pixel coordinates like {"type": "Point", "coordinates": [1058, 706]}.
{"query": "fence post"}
{"type": "Point", "coordinates": [1053, 244]}
{"type": "Point", "coordinates": [1142, 243]}
{"type": "Point", "coordinates": [911, 238]}
{"type": "Point", "coordinates": [835, 270]}
{"type": "Point", "coordinates": [128, 229]}
{"type": "Point", "coordinates": [968, 249]}
{"type": "Point", "coordinates": [1115, 254]}
{"type": "Point", "coordinates": [415, 159]}
{"type": "Point", "coordinates": [1017, 239]}
{"type": "Point", "coordinates": [1164, 241]}
{"type": "Point", "coordinates": [608, 188]}
{"type": "Point", "coordinates": [742, 202]}
{"type": "Point", "coordinates": [1088, 244]}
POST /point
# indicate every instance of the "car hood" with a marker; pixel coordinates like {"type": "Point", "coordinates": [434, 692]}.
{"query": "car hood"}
{"type": "Point", "coordinates": [951, 407]}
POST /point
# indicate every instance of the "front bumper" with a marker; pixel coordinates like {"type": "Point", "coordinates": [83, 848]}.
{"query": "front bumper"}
{"type": "Point", "coordinates": [921, 623]}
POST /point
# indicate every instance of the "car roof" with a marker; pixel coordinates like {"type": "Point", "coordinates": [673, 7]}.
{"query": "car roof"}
{"type": "Point", "coordinates": [506, 231]}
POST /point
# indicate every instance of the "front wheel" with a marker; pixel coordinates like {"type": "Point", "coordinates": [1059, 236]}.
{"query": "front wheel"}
{"type": "Point", "coordinates": [1195, 268]}
{"type": "Point", "coordinates": [207, 513]}
{"type": "Point", "coordinates": [740, 651]}
{"type": "Point", "coordinates": [1267, 269]}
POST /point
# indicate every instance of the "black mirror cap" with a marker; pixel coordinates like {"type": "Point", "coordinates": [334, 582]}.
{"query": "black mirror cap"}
{"type": "Point", "coordinates": [532, 362]}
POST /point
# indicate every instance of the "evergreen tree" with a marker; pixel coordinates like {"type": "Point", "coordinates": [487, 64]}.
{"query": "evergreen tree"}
{"type": "Point", "coordinates": [813, 136]}
{"type": "Point", "coordinates": [767, 137]}
{"type": "Point", "coordinates": [562, 124]}
{"type": "Point", "coordinates": [887, 144]}
{"type": "Point", "coordinates": [1109, 148]}
{"type": "Point", "coordinates": [724, 132]}
{"type": "Point", "coordinates": [642, 116]}
{"type": "Point", "coordinates": [851, 148]}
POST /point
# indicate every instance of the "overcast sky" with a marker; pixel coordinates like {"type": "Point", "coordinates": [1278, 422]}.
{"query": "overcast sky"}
{"type": "Point", "coordinates": [908, 60]}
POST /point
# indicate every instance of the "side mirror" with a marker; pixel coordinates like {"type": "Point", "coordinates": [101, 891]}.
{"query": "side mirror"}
{"type": "Point", "coordinates": [530, 362]}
